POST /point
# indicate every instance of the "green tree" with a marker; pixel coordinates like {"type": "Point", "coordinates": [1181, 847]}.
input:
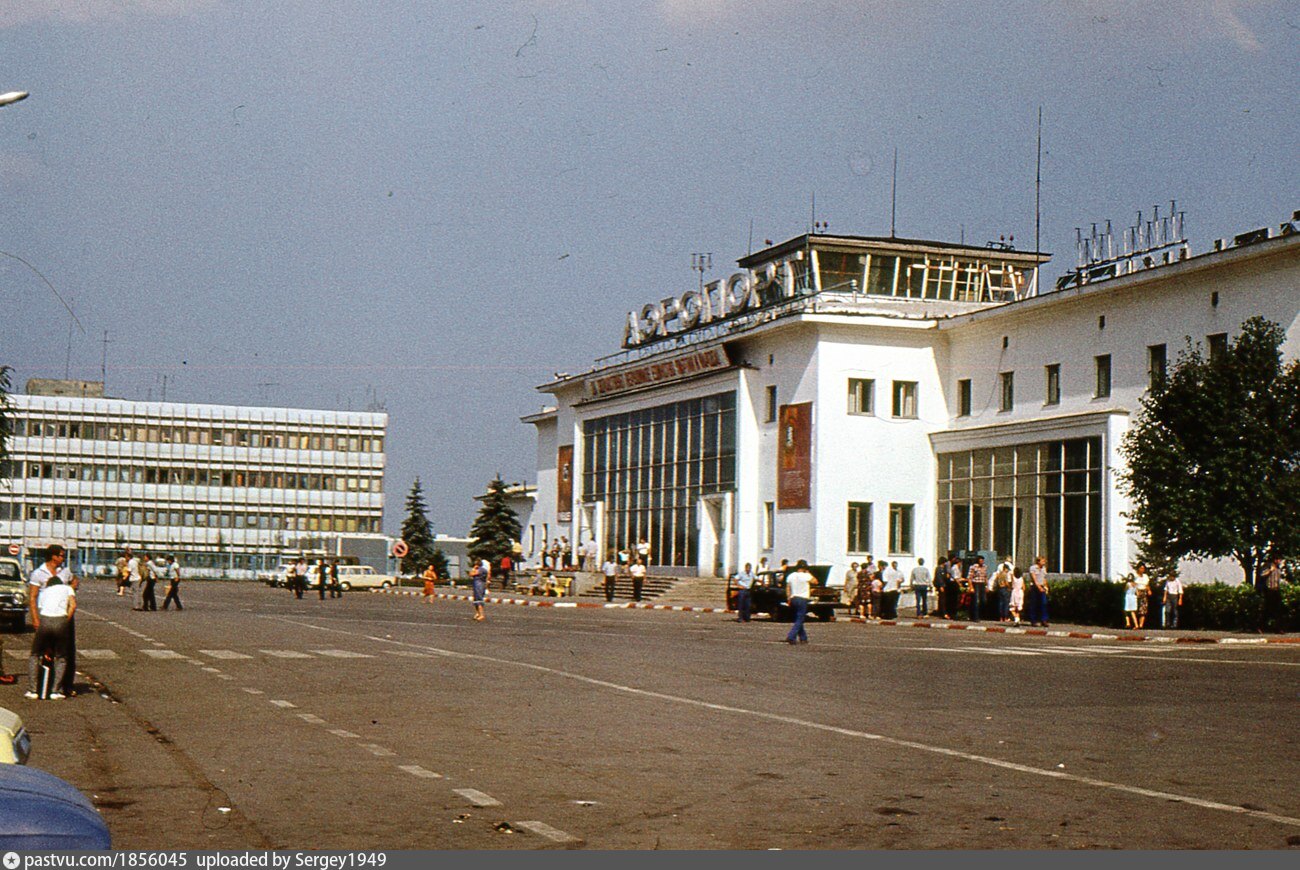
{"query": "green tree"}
{"type": "Point", "coordinates": [496, 528]}
{"type": "Point", "coordinates": [416, 532]}
{"type": "Point", "coordinates": [1214, 456]}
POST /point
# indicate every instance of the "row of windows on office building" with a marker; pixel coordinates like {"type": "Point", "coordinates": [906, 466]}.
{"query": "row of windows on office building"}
{"type": "Point", "coordinates": [189, 516]}
{"type": "Point", "coordinates": [103, 472]}
{"type": "Point", "coordinates": [1157, 366]}
{"type": "Point", "coordinates": [650, 468]}
{"type": "Point", "coordinates": [862, 399]}
{"type": "Point", "coordinates": [191, 433]}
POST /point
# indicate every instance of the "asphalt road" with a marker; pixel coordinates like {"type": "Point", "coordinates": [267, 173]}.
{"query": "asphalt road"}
{"type": "Point", "coordinates": [252, 719]}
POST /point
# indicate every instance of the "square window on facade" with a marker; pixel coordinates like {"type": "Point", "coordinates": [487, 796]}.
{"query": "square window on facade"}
{"type": "Point", "coordinates": [900, 529]}
{"type": "Point", "coordinates": [1006, 390]}
{"type": "Point", "coordinates": [859, 538]}
{"type": "Point", "coordinates": [1103, 376]}
{"type": "Point", "coordinates": [862, 396]}
{"type": "Point", "coordinates": [1053, 396]}
{"type": "Point", "coordinates": [1218, 343]}
{"type": "Point", "coordinates": [905, 399]}
{"type": "Point", "coordinates": [1157, 364]}
{"type": "Point", "coordinates": [769, 415]}
{"type": "Point", "coordinates": [963, 397]}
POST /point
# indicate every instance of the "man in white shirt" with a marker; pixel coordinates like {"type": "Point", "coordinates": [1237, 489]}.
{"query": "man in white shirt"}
{"type": "Point", "coordinates": [1173, 601]}
{"type": "Point", "coordinates": [610, 570]}
{"type": "Point", "coordinates": [1038, 581]}
{"type": "Point", "coordinates": [893, 580]}
{"type": "Point", "coordinates": [921, 586]}
{"type": "Point", "coordinates": [798, 590]}
{"type": "Point", "coordinates": [52, 602]}
{"type": "Point", "coordinates": [744, 583]}
{"type": "Point", "coordinates": [638, 578]}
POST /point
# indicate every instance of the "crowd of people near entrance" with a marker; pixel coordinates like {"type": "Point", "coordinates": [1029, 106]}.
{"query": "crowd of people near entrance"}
{"type": "Point", "coordinates": [972, 590]}
{"type": "Point", "coordinates": [323, 577]}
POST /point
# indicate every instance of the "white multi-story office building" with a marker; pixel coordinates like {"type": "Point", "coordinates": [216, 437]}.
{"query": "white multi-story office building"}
{"type": "Point", "coordinates": [841, 396]}
{"type": "Point", "coordinates": [226, 488]}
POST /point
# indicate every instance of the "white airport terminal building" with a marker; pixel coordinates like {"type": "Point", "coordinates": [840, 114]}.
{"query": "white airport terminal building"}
{"type": "Point", "coordinates": [228, 489]}
{"type": "Point", "coordinates": [840, 396]}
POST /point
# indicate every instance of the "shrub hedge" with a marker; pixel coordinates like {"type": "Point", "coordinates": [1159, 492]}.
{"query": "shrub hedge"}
{"type": "Point", "coordinates": [1210, 606]}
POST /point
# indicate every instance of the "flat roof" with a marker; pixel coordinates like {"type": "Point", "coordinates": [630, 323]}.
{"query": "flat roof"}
{"type": "Point", "coordinates": [892, 244]}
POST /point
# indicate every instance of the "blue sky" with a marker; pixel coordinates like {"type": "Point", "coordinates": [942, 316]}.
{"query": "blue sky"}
{"type": "Point", "coordinates": [440, 204]}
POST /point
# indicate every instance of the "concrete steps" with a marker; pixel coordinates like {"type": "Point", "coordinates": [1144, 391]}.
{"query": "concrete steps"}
{"type": "Point", "coordinates": [707, 591]}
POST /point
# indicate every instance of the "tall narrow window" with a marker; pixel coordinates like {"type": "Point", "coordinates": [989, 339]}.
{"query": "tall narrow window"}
{"type": "Point", "coordinates": [1007, 391]}
{"type": "Point", "coordinates": [963, 397]}
{"type": "Point", "coordinates": [1103, 376]}
{"type": "Point", "coordinates": [1157, 364]}
{"type": "Point", "coordinates": [1053, 385]}
{"type": "Point", "coordinates": [1218, 345]}
{"type": "Point", "coordinates": [859, 527]}
{"type": "Point", "coordinates": [904, 398]}
{"type": "Point", "coordinates": [862, 396]}
{"type": "Point", "coordinates": [770, 416]}
{"type": "Point", "coordinates": [769, 524]}
{"type": "Point", "coordinates": [900, 529]}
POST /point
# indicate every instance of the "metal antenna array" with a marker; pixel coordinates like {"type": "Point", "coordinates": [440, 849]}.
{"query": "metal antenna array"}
{"type": "Point", "coordinates": [702, 263]}
{"type": "Point", "coordinates": [1100, 254]}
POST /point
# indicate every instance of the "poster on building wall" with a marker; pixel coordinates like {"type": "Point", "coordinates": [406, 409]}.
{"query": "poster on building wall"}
{"type": "Point", "coordinates": [794, 458]}
{"type": "Point", "coordinates": [564, 484]}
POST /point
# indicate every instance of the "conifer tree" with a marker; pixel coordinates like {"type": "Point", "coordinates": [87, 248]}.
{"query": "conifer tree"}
{"type": "Point", "coordinates": [416, 532]}
{"type": "Point", "coordinates": [496, 529]}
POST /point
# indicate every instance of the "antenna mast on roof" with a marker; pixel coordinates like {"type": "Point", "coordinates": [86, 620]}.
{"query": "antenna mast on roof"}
{"type": "Point", "coordinates": [893, 195]}
{"type": "Point", "coordinates": [1038, 197]}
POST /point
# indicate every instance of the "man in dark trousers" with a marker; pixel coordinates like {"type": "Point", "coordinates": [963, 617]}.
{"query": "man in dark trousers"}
{"type": "Point", "coordinates": [173, 571]}
{"type": "Point", "coordinates": [336, 591]}
{"type": "Point", "coordinates": [610, 570]}
{"type": "Point", "coordinates": [323, 576]}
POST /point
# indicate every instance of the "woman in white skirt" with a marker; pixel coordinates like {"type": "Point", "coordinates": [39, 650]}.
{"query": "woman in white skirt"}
{"type": "Point", "coordinates": [1017, 594]}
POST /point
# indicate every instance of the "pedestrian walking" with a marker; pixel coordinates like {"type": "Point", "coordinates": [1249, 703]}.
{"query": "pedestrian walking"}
{"type": "Point", "coordinates": [505, 566]}
{"type": "Point", "coordinates": [1271, 615]}
{"type": "Point", "coordinates": [336, 588]}
{"type": "Point", "coordinates": [978, 580]}
{"type": "Point", "coordinates": [744, 584]}
{"type": "Point", "coordinates": [1130, 603]}
{"type": "Point", "coordinates": [1017, 594]}
{"type": "Point", "coordinates": [610, 570]}
{"type": "Point", "coordinates": [921, 587]}
{"type": "Point", "coordinates": [58, 639]}
{"type": "Point", "coordinates": [135, 578]}
{"type": "Point", "coordinates": [1142, 582]}
{"type": "Point", "coordinates": [1001, 586]}
{"type": "Point", "coordinates": [299, 577]}
{"type": "Point", "coordinates": [1173, 601]}
{"type": "Point", "coordinates": [173, 574]}
{"type": "Point", "coordinates": [123, 575]}
{"type": "Point", "coordinates": [322, 577]}
{"type": "Point", "coordinates": [149, 579]}
{"type": "Point", "coordinates": [430, 577]}
{"type": "Point", "coordinates": [1038, 609]}
{"type": "Point", "coordinates": [798, 591]}
{"type": "Point", "coordinates": [638, 578]}
{"type": "Point", "coordinates": [478, 581]}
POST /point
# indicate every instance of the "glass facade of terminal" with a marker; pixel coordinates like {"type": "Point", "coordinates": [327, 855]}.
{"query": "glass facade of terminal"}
{"type": "Point", "coordinates": [651, 467]}
{"type": "Point", "coordinates": [1023, 501]}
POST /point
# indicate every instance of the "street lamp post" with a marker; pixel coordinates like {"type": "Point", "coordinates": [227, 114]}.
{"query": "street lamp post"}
{"type": "Point", "coordinates": [7, 99]}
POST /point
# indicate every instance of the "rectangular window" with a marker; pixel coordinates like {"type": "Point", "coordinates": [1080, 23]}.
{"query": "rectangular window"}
{"type": "Point", "coordinates": [905, 399]}
{"type": "Point", "coordinates": [1218, 345]}
{"type": "Point", "coordinates": [862, 396]}
{"type": "Point", "coordinates": [769, 524]}
{"type": "Point", "coordinates": [1007, 390]}
{"type": "Point", "coordinates": [859, 527]}
{"type": "Point", "coordinates": [963, 397]}
{"type": "Point", "coordinates": [1103, 376]}
{"type": "Point", "coordinates": [1157, 364]}
{"type": "Point", "coordinates": [770, 414]}
{"type": "Point", "coordinates": [900, 529]}
{"type": "Point", "coordinates": [1053, 396]}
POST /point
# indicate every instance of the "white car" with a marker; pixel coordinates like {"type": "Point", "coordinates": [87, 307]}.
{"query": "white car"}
{"type": "Point", "coordinates": [15, 744]}
{"type": "Point", "coordinates": [364, 577]}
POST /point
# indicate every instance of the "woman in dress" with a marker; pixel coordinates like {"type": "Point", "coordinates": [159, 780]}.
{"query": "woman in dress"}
{"type": "Point", "coordinates": [478, 580]}
{"type": "Point", "coordinates": [1017, 594]}
{"type": "Point", "coordinates": [1130, 604]}
{"type": "Point", "coordinates": [430, 579]}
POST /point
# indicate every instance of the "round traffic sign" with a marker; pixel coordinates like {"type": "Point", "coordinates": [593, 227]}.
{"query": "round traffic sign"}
{"type": "Point", "coordinates": [400, 549]}
{"type": "Point", "coordinates": [14, 549]}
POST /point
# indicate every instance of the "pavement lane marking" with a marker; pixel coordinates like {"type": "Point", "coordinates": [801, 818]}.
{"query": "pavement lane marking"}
{"type": "Point", "coordinates": [544, 830]}
{"type": "Point", "coordinates": [212, 670]}
{"type": "Point", "coordinates": [342, 654]}
{"type": "Point", "coordinates": [96, 654]}
{"type": "Point", "coordinates": [410, 654]}
{"type": "Point", "coordinates": [312, 718]}
{"type": "Point", "coordinates": [250, 690]}
{"type": "Point", "coordinates": [928, 748]}
{"type": "Point", "coordinates": [376, 749]}
{"type": "Point", "coordinates": [343, 732]}
{"type": "Point", "coordinates": [227, 654]}
{"type": "Point", "coordinates": [417, 770]}
{"type": "Point", "coordinates": [285, 704]}
{"type": "Point", "coordinates": [224, 677]}
{"type": "Point", "coordinates": [284, 653]}
{"type": "Point", "coordinates": [162, 653]}
{"type": "Point", "coordinates": [476, 797]}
